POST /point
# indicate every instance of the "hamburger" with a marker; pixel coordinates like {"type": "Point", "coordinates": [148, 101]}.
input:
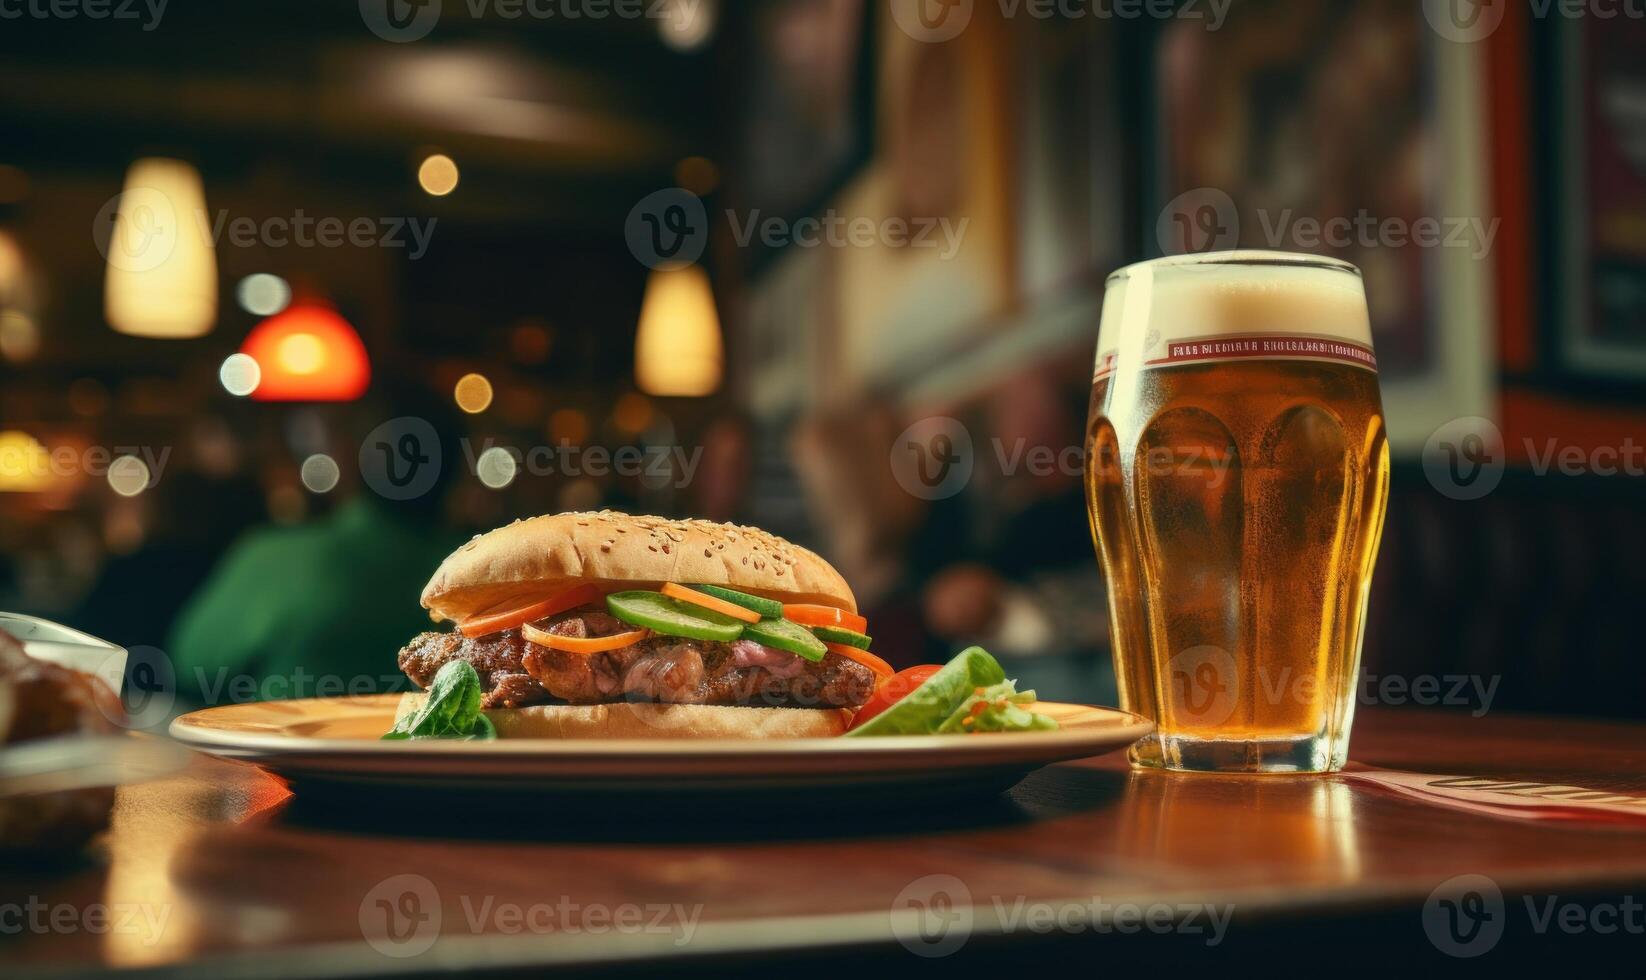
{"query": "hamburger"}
{"type": "Point", "coordinates": [610, 625]}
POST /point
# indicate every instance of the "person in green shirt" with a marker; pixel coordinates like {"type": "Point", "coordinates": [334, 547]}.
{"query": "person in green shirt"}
{"type": "Point", "coordinates": [318, 610]}
{"type": "Point", "coordinates": [322, 609]}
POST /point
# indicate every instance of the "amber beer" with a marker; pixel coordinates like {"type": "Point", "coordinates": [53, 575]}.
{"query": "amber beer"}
{"type": "Point", "coordinates": [1236, 477]}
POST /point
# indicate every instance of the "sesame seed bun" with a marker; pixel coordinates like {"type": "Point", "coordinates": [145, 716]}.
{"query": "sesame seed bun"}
{"type": "Point", "coordinates": [536, 558]}
{"type": "Point", "coordinates": [631, 720]}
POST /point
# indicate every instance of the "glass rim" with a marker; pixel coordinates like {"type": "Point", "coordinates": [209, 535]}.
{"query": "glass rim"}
{"type": "Point", "coordinates": [1244, 256]}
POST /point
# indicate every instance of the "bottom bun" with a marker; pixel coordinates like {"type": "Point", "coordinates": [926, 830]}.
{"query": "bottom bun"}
{"type": "Point", "coordinates": [639, 719]}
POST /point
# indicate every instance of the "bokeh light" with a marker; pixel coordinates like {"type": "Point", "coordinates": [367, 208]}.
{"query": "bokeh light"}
{"type": "Point", "coordinates": [473, 393]}
{"type": "Point", "coordinates": [88, 398]}
{"type": "Point", "coordinates": [698, 175]}
{"type": "Point", "coordinates": [19, 337]}
{"type": "Point", "coordinates": [496, 468]}
{"type": "Point", "coordinates": [569, 426]}
{"type": "Point", "coordinates": [320, 473]}
{"type": "Point", "coordinates": [129, 476]}
{"type": "Point", "coordinates": [286, 504]}
{"type": "Point", "coordinates": [240, 374]}
{"type": "Point", "coordinates": [437, 175]}
{"type": "Point", "coordinates": [24, 464]}
{"type": "Point", "coordinates": [686, 25]}
{"type": "Point", "coordinates": [263, 294]}
{"type": "Point", "coordinates": [529, 342]}
{"type": "Point", "coordinates": [632, 413]}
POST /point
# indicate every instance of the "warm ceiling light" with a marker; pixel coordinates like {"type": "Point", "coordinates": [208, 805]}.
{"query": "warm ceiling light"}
{"type": "Point", "coordinates": [25, 467]}
{"type": "Point", "coordinates": [307, 354]}
{"type": "Point", "coordinates": [301, 353]}
{"type": "Point", "coordinates": [677, 350]}
{"type": "Point", "coordinates": [162, 272]}
{"type": "Point", "coordinates": [438, 175]}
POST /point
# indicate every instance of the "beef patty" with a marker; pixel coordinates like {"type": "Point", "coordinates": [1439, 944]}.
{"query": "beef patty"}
{"type": "Point", "coordinates": [496, 658]}
{"type": "Point", "coordinates": [515, 672]}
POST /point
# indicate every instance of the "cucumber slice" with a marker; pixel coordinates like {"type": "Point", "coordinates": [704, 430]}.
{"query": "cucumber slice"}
{"type": "Point", "coordinates": [835, 634]}
{"type": "Point", "coordinates": [661, 614]}
{"type": "Point", "coordinates": [780, 634]}
{"type": "Point", "coordinates": [769, 608]}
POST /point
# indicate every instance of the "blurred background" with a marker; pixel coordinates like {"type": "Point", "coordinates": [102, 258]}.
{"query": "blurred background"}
{"type": "Point", "coordinates": [771, 262]}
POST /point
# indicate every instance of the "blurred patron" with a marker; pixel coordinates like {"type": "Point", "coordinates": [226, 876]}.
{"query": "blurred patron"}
{"type": "Point", "coordinates": [290, 606]}
{"type": "Point", "coordinates": [1028, 587]}
{"type": "Point", "coordinates": [884, 539]}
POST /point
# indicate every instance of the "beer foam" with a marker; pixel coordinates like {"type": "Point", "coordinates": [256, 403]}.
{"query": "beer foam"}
{"type": "Point", "coordinates": [1245, 294]}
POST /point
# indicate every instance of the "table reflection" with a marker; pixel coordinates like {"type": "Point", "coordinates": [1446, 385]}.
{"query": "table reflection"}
{"type": "Point", "coordinates": [1303, 826]}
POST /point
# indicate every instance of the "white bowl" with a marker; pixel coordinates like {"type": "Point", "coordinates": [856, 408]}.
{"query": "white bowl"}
{"type": "Point", "coordinates": [67, 647]}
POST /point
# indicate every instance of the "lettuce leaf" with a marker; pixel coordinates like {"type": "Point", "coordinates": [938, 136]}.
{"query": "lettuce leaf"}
{"type": "Point", "coordinates": [973, 685]}
{"type": "Point", "coordinates": [452, 709]}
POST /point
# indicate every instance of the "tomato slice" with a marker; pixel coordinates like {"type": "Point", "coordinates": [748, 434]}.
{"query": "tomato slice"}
{"type": "Point", "coordinates": [495, 622]}
{"type": "Point", "coordinates": [710, 602]}
{"type": "Point", "coordinates": [882, 670]}
{"type": "Point", "coordinates": [892, 690]}
{"type": "Point", "coordinates": [807, 614]}
{"type": "Point", "coordinates": [573, 644]}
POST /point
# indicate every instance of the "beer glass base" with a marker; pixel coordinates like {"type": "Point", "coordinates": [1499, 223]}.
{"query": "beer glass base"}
{"type": "Point", "coordinates": [1306, 754]}
{"type": "Point", "coordinates": [1145, 753]}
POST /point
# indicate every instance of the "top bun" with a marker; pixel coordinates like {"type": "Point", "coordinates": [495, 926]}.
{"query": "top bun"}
{"type": "Point", "coordinates": [535, 558]}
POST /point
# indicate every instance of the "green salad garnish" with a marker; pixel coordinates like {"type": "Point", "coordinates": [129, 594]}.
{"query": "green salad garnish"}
{"type": "Point", "coordinates": [451, 710]}
{"type": "Point", "coordinates": [971, 693]}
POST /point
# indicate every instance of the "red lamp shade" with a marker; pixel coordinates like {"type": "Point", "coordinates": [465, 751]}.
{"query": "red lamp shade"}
{"type": "Point", "coordinates": [308, 354]}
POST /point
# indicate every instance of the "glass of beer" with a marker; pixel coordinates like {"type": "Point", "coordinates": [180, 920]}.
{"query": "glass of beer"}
{"type": "Point", "coordinates": [1237, 469]}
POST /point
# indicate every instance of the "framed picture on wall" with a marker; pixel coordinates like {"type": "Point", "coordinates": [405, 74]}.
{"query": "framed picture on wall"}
{"type": "Point", "coordinates": [1600, 216]}
{"type": "Point", "coordinates": [1298, 117]}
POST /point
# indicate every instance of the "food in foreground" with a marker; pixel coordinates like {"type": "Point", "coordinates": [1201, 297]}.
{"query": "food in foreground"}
{"type": "Point", "coordinates": [451, 709]}
{"type": "Point", "coordinates": [41, 700]}
{"type": "Point", "coordinates": [722, 624]}
{"type": "Point", "coordinates": [968, 694]}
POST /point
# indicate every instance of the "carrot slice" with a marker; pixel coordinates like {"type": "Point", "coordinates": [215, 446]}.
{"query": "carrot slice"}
{"type": "Point", "coordinates": [493, 622]}
{"type": "Point", "coordinates": [707, 601]}
{"type": "Point", "coordinates": [881, 668]}
{"type": "Point", "coordinates": [807, 614]}
{"type": "Point", "coordinates": [573, 644]}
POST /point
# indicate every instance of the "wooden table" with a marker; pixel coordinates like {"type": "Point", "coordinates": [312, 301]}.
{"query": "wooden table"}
{"type": "Point", "coordinates": [220, 871]}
